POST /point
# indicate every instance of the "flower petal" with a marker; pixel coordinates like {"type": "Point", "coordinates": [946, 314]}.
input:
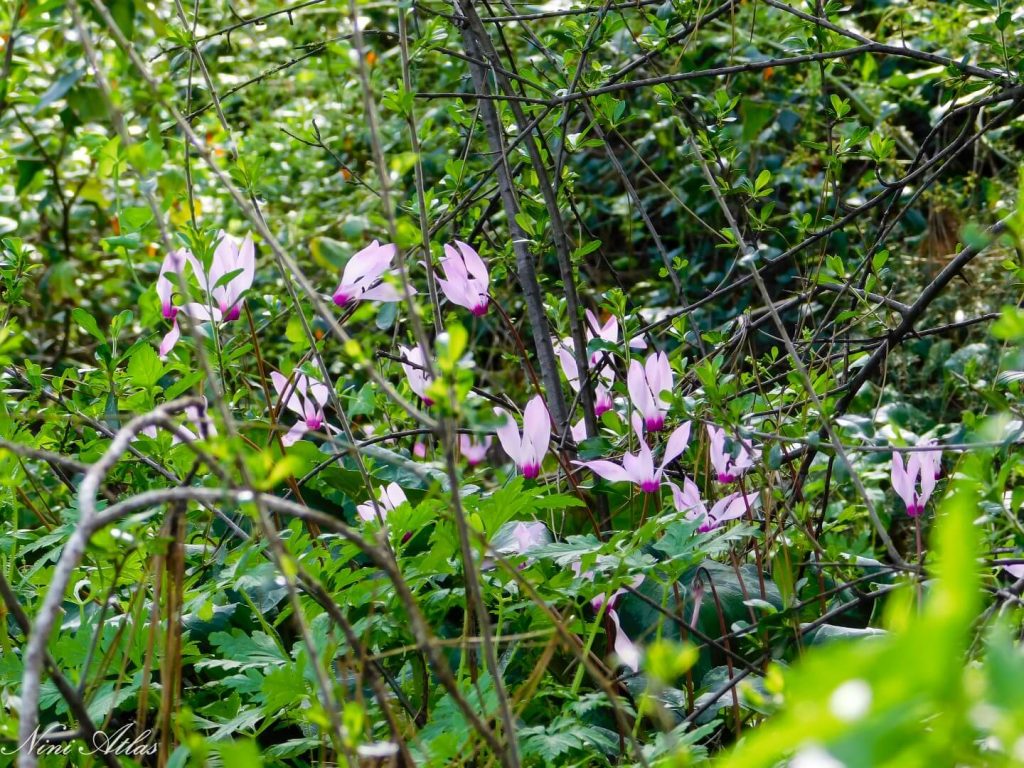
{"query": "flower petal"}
{"type": "Point", "coordinates": [294, 434]}
{"type": "Point", "coordinates": [677, 443]}
{"type": "Point", "coordinates": [902, 483]}
{"type": "Point", "coordinates": [537, 427]}
{"type": "Point", "coordinates": [169, 340]}
{"type": "Point", "coordinates": [318, 391]}
{"type": "Point", "coordinates": [509, 437]}
{"type": "Point", "coordinates": [732, 506]}
{"type": "Point", "coordinates": [565, 357]}
{"type": "Point", "coordinates": [625, 648]}
{"type": "Point", "coordinates": [636, 385]}
{"type": "Point", "coordinates": [474, 264]}
{"type": "Point", "coordinates": [289, 391]}
{"type": "Point", "coordinates": [369, 263]}
{"type": "Point", "coordinates": [609, 470]}
{"type": "Point", "coordinates": [202, 313]}
{"type": "Point", "coordinates": [385, 293]}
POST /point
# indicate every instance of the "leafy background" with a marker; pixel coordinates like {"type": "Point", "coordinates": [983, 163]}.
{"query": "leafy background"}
{"type": "Point", "coordinates": [683, 144]}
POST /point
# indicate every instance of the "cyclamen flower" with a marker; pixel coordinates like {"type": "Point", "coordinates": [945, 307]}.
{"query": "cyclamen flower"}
{"type": "Point", "coordinates": [602, 396]}
{"type": "Point", "coordinates": [1015, 569]}
{"type": "Point", "coordinates": [645, 384]}
{"type": "Point", "coordinates": [474, 452]}
{"type": "Point", "coordinates": [624, 647]}
{"type": "Point", "coordinates": [518, 538]}
{"type": "Point", "coordinates": [920, 471]}
{"type": "Point", "coordinates": [688, 500]}
{"type": "Point", "coordinates": [415, 374]}
{"type": "Point", "coordinates": [169, 340]}
{"type": "Point", "coordinates": [231, 274]}
{"type": "Point", "coordinates": [730, 468]}
{"type": "Point", "coordinates": [639, 468]}
{"type": "Point", "coordinates": [200, 419]}
{"type": "Point", "coordinates": [361, 279]}
{"type": "Point", "coordinates": [527, 536]}
{"type": "Point", "coordinates": [306, 397]}
{"type": "Point", "coordinates": [527, 449]}
{"type": "Point", "coordinates": [609, 332]}
{"type": "Point", "coordinates": [166, 282]}
{"type": "Point", "coordinates": [934, 458]}
{"type": "Point", "coordinates": [467, 279]}
{"type": "Point", "coordinates": [390, 498]}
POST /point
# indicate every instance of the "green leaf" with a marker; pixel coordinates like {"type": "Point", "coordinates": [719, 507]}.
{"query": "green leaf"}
{"type": "Point", "coordinates": [226, 278]}
{"type": "Point", "coordinates": [1010, 325]}
{"type": "Point", "coordinates": [548, 745]}
{"type": "Point", "coordinates": [123, 12]}
{"type": "Point", "coordinates": [61, 86]}
{"type": "Point", "coordinates": [451, 345]}
{"type": "Point", "coordinates": [570, 551]}
{"type": "Point", "coordinates": [841, 106]}
{"type": "Point", "coordinates": [179, 757]}
{"type": "Point", "coordinates": [130, 241]}
{"type": "Point", "coordinates": [755, 117]}
{"type": "Point", "coordinates": [88, 323]}
{"type": "Point", "coordinates": [121, 320]}
{"type": "Point", "coordinates": [524, 220]}
{"type": "Point", "coordinates": [284, 688]}
{"type": "Point", "coordinates": [387, 313]}
{"type": "Point", "coordinates": [364, 403]}
{"type": "Point", "coordinates": [239, 650]}
{"type": "Point", "coordinates": [136, 217]}
{"type": "Point", "coordinates": [183, 385]}
{"type": "Point", "coordinates": [27, 170]}
{"type": "Point", "coordinates": [144, 367]}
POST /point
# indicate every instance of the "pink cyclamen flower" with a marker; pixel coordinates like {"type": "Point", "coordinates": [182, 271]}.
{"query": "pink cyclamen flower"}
{"type": "Point", "coordinates": [729, 468]}
{"type": "Point", "coordinates": [362, 278]}
{"type": "Point", "coordinates": [915, 481]}
{"type": "Point", "coordinates": [419, 449]}
{"type": "Point", "coordinates": [933, 458]}
{"type": "Point", "coordinates": [473, 451]}
{"type": "Point", "coordinates": [608, 331]}
{"type": "Point", "coordinates": [602, 396]}
{"type": "Point", "coordinates": [1015, 569]}
{"type": "Point", "coordinates": [390, 498]}
{"type": "Point", "coordinates": [527, 450]}
{"type": "Point", "coordinates": [624, 647]}
{"type": "Point", "coordinates": [169, 340]}
{"type": "Point", "coordinates": [527, 536]}
{"type": "Point", "coordinates": [639, 468]}
{"type": "Point", "coordinates": [231, 274]}
{"type": "Point", "coordinates": [306, 397]}
{"type": "Point", "coordinates": [467, 278]}
{"type": "Point", "coordinates": [166, 283]}
{"type": "Point", "coordinates": [518, 538]}
{"type": "Point", "coordinates": [645, 384]}
{"type": "Point", "coordinates": [687, 499]}
{"type": "Point", "coordinates": [415, 372]}
{"type": "Point", "coordinates": [200, 417]}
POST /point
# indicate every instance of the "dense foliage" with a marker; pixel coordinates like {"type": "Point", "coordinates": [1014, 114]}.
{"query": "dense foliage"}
{"type": "Point", "coordinates": [495, 383]}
